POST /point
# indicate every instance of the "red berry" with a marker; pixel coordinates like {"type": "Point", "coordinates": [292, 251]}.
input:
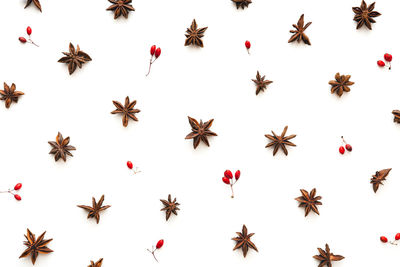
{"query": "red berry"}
{"type": "Point", "coordinates": [18, 186]}
{"type": "Point", "coordinates": [160, 243]}
{"type": "Point", "coordinates": [388, 57]}
{"type": "Point", "coordinates": [341, 150]}
{"type": "Point", "coordinates": [17, 197]}
{"type": "Point", "coordinates": [152, 50]}
{"type": "Point", "coordinates": [247, 44]}
{"type": "Point", "coordinates": [158, 52]}
{"type": "Point", "coordinates": [228, 174]}
{"type": "Point", "coordinates": [22, 39]}
{"type": "Point", "coordinates": [129, 164]}
{"type": "Point", "coordinates": [349, 147]}
{"type": "Point", "coordinates": [381, 63]}
{"type": "Point", "coordinates": [237, 174]}
{"type": "Point", "coordinates": [384, 239]}
{"type": "Point", "coordinates": [226, 180]}
{"type": "Point", "coordinates": [397, 237]}
{"type": "Point", "coordinates": [29, 30]}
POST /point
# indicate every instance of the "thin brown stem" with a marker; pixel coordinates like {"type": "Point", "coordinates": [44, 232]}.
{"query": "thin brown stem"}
{"type": "Point", "coordinates": [248, 51]}
{"type": "Point", "coordinates": [152, 252]}
{"type": "Point", "coordinates": [32, 42]}
{"type": "Point", "coordinates": [232, 191]}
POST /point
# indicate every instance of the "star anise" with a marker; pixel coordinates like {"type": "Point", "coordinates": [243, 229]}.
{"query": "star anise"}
{"type": "Point", "coordinates": [326, 257]}
{"type": "Point", "coordinates": [60, 147]}
{"type": "Point", "coordinates": [194, 35]}
{"type": "Point", "coordinates": [242, 3]}
{"type": "Point", "coordinates": [364, 15]}
{"type": "Point", "coordinates": [128, 111]}
{"type": "Point", "coordinates": [35, 246]}
{"type": "Point", "coordinates": [75, 58]}
{"type": "Point", "coordinates": [200, 131]}
{"type": "Point", "coordinates": [309, 201]}
{"type": "Point", "coordinates": [170, 207]}
{"type": "Point", "coordinates": [97, 264]}
{"type": "Point", "coordinates": [261, 83]}
{"type": "Point", "coordinates": [340, 84]}
{"type": "Point", "coordinates": [299, 34]}
{"type": "Point", "coordinates": [94, 211]}
{"type": "Point", "coordinates": [378, 178]}
{"type": "Point", "coordinates": [120, 7]}
{"type": "Point", "coordinates": [396, 114]}
{"type": "Point", "coordinates": [280, 141]}
{"type": "Point", "coordinates": [243, 241]}
{"type": "Point", "coordinates": [9, 94]}
{"type": "Point", "coordinates": [36, 2]}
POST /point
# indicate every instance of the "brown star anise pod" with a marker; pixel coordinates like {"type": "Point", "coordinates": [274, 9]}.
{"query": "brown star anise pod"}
{"type": "Point", "coordinates": [242, 3]}
{"type": "Point", "coordinates": [9, 94]}
{"type": "Point", "coordinates": [340, 84]}
{"type": "Point", "coordinates": [36, 2]}
{"type": "Point", "coordinates": [261, 83]}
{"type": "Point", "coordinates": [121, 7]}
{"type": "Point", "coordinates": [378, 178]}
{"type": "Point", "coordinates": [364, 15]}
{"type": "Point", "coordinates": [60, 148]}
{"type": "Point", "coordinates": [280, 141]}
{"type": "Point", "coordinates": [96, 264]}
{"type": "Point", "coordinates": [94, 211]}
{"type": "Point", "coordinates": [128, 111]}
{"type": "Point", "coordinates": [309, 201]}
{"type": "Point", "coordinates": [170, 207]}
{"type": "Point", "coordinates": [299, 34]}
{"type": "Point", "coordinates": [326, 257]}
{"type": "Point", "coordinates": [35, 246]}
{"type": "Point", "coordinates": [200, 131]}
{"type": "Point", "coordinates": [243, 241]}
{"type": "Point", "coordinates": [194, 35]}
{"type": "Point", "coordinates": [396, 114]}
{"type": "Point", "coordinates": [75, 58]}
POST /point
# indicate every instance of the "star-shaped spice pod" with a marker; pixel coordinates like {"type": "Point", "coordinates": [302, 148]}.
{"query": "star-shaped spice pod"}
{"type": "Point", "coordinates": [200, 131]}
{"type": "Point", "coordinates": [169, 207]}
{"type": "Point", "coordinates": [261, 83]}
{"type": "Point", "coordinates": [326, 257]}
{"type": "Point", "coordinates": [299, 34]}
{"type": "Point", "coordinates": [121, 7]}
{"type": "Point", "coordinates": [74, 58]}
{"type": "Point", "coordinates": [35, 246]}
{"type": "Point", "coordinates": [94, 211]}
{"type": "Point", "coordinates": [97, 263]}
{"type": "Point", "coordinates": [35, 2]}
{"type": "Point", "coordinates": [378, 178]}
{"type": "Point", "coordinates": [309, 201]}
{"type": "Point", "coordinates": [340, 84]}
{"type": "Point", "coordinates": [242, 3]}
{"type": "Point", "coordinates": [396, 114]}
{"type": "Point", "coordinates": [280, 141]}
{"type": "Point", "coordinates": [243, 241]}
{"type": "Point", "coordinates": [364, 15]}
{"type": "Point", "coordinates": [60, 148]}
{"type": "Point", "coordinates": [194, 35]}
{"type": "Point", "coordinates": [9, 94]}
{"type": "Point", "coordinates": [128, 111]}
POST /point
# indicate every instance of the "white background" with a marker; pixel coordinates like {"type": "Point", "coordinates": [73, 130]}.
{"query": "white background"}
{"type": "Point", "coordinates": [212, 82]}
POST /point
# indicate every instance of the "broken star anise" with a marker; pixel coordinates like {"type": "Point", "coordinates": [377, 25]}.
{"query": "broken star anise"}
{"type": "Point", "coordinates": [60, 147]}
{"type": "Point", "coordinates": [364, 15]}
{"type": "Point", "coordinates": [169, 207]}
{"type": "Point", "coordinates": [74, 58]}
{"type": "Point", "coordinates": [120, 7]}
{"type": "Point", "coordinates": [128, 111]}
{"type": "Point", "coordinates": [243, 241]}
{"type": "Point", "coordinates": [309, 201]}
{"type": "Point", "coordinates": [9, 94]}
{"type": "Point", "coordinates": [261, 83]}
{"type": "Point", "coordinates": [326, 257]}
{"type": "Point", "coordinates": [299, 34]}
{"type": "Point", "coordinates": [94, 210]}
{"type": "Point", "coordinates": [96, 264]}
{"type": "Point", "coordinates": [35, 246]}
{"type": "Point", "coordinates": [378, 178]}
{"type": "Point", "coordinates": [200, 131]}
{"type": "Point", "coordinates": [36, 2]}
{"type": "Point", "coordinates": [194, 35]}
{"type": "Point", "coordinates": [242, 3]}
{"type": "Point", "coordinates": [340, 84]}
{"type": "Point", "coordinates": [280, 141]}
{"type": "Point", "coordinates": [396, 114]}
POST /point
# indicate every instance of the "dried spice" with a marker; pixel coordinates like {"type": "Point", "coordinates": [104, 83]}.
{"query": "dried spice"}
{"type": "Point", "coordinates": [396, 114]}
{"type": "Point", "coordinates": [170, 207]}
{"type": "Point", "coordinates": [340, 84]}
{"type": "Point", "coordinates": [35, 246]}
{"type": "Point", "coordinates": [128, 111]}
{"type": "Point", "coordinates": [261, 83]}
{"type": "Point", "coordinates": [200, 131]}
{"type": "Point", "coordinates": [75, 58]}
{"type": "Point", "coordinates": [60, 148]}
{"type": "Point", "coordinates": [243, 241]}
{"type": "Point", "coordinates": [309, 201]}
{"type": "Point", "coordinates": [280, 141]}
{"type": "Point", "coordinates": [194, 35]}
{"type": "Point", "coordinates": [299, 34]}
{"type": "Point", "coordinates": [120, 7]}
{"type": "Point", "coordinates": [35, 2]}
{"type": "Point", "coordinates": [364, 15]}
{"type": "Point", "coordinates": [9, 94]}
{"type": "Point", "coordinates": [242, 3]}
{"type": "Point", "coordinates": [326, 257]}
{"type": "Point", "coordinates": [378, 178]}
{"type": "Point", "coordinates": [97, 264]}
{"type": "Point", "coordinates": [94, 211]}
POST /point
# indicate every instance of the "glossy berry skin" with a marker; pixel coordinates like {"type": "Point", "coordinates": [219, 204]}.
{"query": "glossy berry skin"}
{"type": "Point", "coordinates": [129, 164]}
{"type": "Point", "coordinates": [381, 63]}
{"type": "Point", "coordinates": [17, 197]}
{"type": "Point", "coordinates": [29, 30]}
{"type": "Point", "coordinates": [18, 186]}
{"type": "Point", "coordinates": [228, 174]}
{"type": "Point", "coordinates": [388, 57]}
{"type": "Point", "coordinates": [247, 44]}
{"type": "Point", "coordinates": [226, 180]}
{"type": "Point", "coordinates": [384, 239]}
{"type": "Point", "coordinates": [341, 150]}
{"type": "Point", "coordinates": [158, 52]}
{"type": "Point", "coordinates": [22, 39]}
{"type": "Point", "coordinates": [349, 147]}
{"type": "Point", "coordinates": [160, 243]}
{"type": "Point", "coordinates": [152, 50]}
{"type": "Point", "coordinates": [397, 237]}
{"type": "Point", "coordinates": [237, 174]}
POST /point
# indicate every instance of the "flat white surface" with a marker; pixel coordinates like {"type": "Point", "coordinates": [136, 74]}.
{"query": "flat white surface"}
{"type": "Point", "coordinates": [213, 82]}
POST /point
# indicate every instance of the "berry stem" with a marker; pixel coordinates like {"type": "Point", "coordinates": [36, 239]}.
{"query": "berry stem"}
{"type": "Point", "coordinates": [152, 252]}
{"type": "Point", "coordinates": [248, 51]}
{"type": "Point", "coordinates": [32, 42]}
{"type": "Point", "coordinates": [232, 191]}
{"type": "Point", "coordinates": [151, 62]}
{"type": "Point", "coordinates": [343, 140]}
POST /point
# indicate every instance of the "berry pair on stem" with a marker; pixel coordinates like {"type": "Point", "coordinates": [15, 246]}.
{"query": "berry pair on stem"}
{"type": "Point", "coordinates": [155, 53]}
{"type": "Point", "coordinates": [348, 147]}
{"type": "Point", "coordinates": [13, 191]}
{"type": "Point", "coordinates": [228, 179]}
{"type": "Point", "coordinates": [129, 164]}
{"type": "Point", "coordinates": [396, 239]}
{"type": "Point", "coordinates": [388, 58]}
{"type": "Point", "coordinates": [159, 245]}
{"type": "Point", "coordinates": [29, 40]}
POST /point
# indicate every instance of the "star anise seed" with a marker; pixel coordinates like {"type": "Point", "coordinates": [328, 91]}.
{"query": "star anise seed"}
{"type": "Point", "coordinates": [340, 84]}
{"type": "Point", "coordinates": [128, 111]}
{"type": "Point", "coordinates": [326, 257]}
{"type": "Point", "coordinates": [95, 209]}
{"type": "Point", "coordinates": [35, 246]}
{"type": "Point", "coordinates": [299, 34]}
{"type": "Point", "coordinates": [200, 131]}
{"type": "Point", "coordinates": [97, 264]}
{"type": "Point", "coordinates": [169, 207]}
{"type": "Point", "coordinates": [396, 114]}
{"type": "Point", "coordinates": [378, 178]}
{"type": "Point", "coordinates": [194, 35]}
{"type": "Point", "coordinates": [35, 2]}
{"type": "Point", "coordinates": [280, 141]}
{"type": "Point", "coordinates": [261, 83]}
{"type": "Point", "coordinates": [120, 7]}
{"type": "Point", "coordinates": [364, 15]}
{"type": "Point", "coordinates": [309, 201]}
{"type": "Point", "coordinates": [242, 3]}
{"type": "Point", "coordinates": [9, 94]}
{"type": "Point", "coordinates": [243, 241]}
{"type": "Point", "coordinates": [74, 58]}
{"type": "Point", "coordinates": [60, 148]}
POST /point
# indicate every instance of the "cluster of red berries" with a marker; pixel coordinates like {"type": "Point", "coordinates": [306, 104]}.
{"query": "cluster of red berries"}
{"type": "Point", "coordinates": [159, 245]}
{"type": "Point", "coordinates": [13, 191]}
{"type": "Point", "coordinates": [247, 44]}
{"type": "Point", "coordinates": [155, 53]}
{"type": "Point", "coordinates": [348, 147]}
{"type": "Point", "coordinates": [228, 179]}
{"type": "Point", "coordinates": [24, 40]}
{"type": "Point", "coordinates": [396, 238]}
{"type": "Point", "coordinates": [388, 58]}
{"type": "Point", "coordinates": [130, 166]}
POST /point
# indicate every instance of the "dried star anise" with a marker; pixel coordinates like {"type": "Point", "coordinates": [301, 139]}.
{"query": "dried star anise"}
{"type": "Point", "coordinates": [261, 83]}
{"type": "Point", "coordinates": [364, 15]}
{"type": "Point", "coordinates": [243, 241]}
{"type": "Point", "coordinates": [340, 84]}
{"type": "Point", "coordinates": [120, 7]}
{"type": "Point", "coordinates": [396, 114]}
{"type": "Point", "coordinates": [170, 207]}
{"type": "Point", "coordinates": [242, 3]}
{"type": "Point", "coordinates": [60, 147]}
{"type": "Point", "coordinates": [35, 246]}
{"type": "Point", "coordinates": [200, 131]}
{"type": "Point", "coordinates": [128, 111]}
{"type": "Point", "coordinates": [36, 2]}
{"type": "Point", "coordinates": [194, 35]}
{"type": "Point", "coordinates": [96, 264]}
{"type": "Point", "coordinates": [326, 257]}
{"type": "Point", "coordinates": [299, 34]}
{"type": "Point", "coordinates": [94, 211]}
{"type": "Point", "coordinates": [309, 201]}
{"type": "Point", "coordinates": [9, 94]}
{"type": "Point", "coordinates": [280, 141]}
{"type": "Point", "coordinates": [75, 58]}
{"type": "Point", "coordinates": [378, 178]}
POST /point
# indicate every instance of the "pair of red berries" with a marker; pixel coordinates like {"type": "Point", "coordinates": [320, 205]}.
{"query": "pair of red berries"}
{"type": "Point", "coordinates": [347, 146]}
{"type": "Point", "coordinates": [228, 179]}
{"type": "Point", "coordinates": [12, 192]}
{"type": "Point", "coordinates": [24, 40]}
{"type": "Point", "coordinates": [247, 44]}
{"type": "Point", "coordinates": [385, 240]}
{"type": "Point", "coordinates": [159, 245]}
{"type": "Point", "coordinates": [155, 53]}
{"type": "Point", "coordinates": [388, 58]}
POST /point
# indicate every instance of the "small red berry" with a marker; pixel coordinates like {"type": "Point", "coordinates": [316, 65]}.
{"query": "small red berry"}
{"type": "Point", "coordinates": [397, 237]}
{"type": "Point", "coordinates": [152, 50]}
{"type": "Point", "coordinates": [228, 174]}
{"type": "Point", "coordinates": [247, 44]}
{"type": "Point", "coordinates": [381, 63]}
{"type": "Point", "coordinates": [22, 39]}
{"type": "Point", "coordinates": [349, 147]}
{"type": "Point", "coordinates": [17, 197]}
{"type": "Point", "coordinates": [29, 30]}
{"type": "Point", "coordinates": [384, 239]}
{"type": "Point", "coordinates": [237, 174]}
{"type": "Point", "coordinates": [226, 180]}
{"type": "Point", "coordinates": [129, 164]}
{"type": "Point", "coordinates": [341, 150]}
{"type": "Point", "coordinates": [158, 52]}
{"type": "Point", "coordinates": [388, 57]}
{"type": "Point", "coordinates": [18, 186]}
{"type": "Point", "coordinates": [160, 243]}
